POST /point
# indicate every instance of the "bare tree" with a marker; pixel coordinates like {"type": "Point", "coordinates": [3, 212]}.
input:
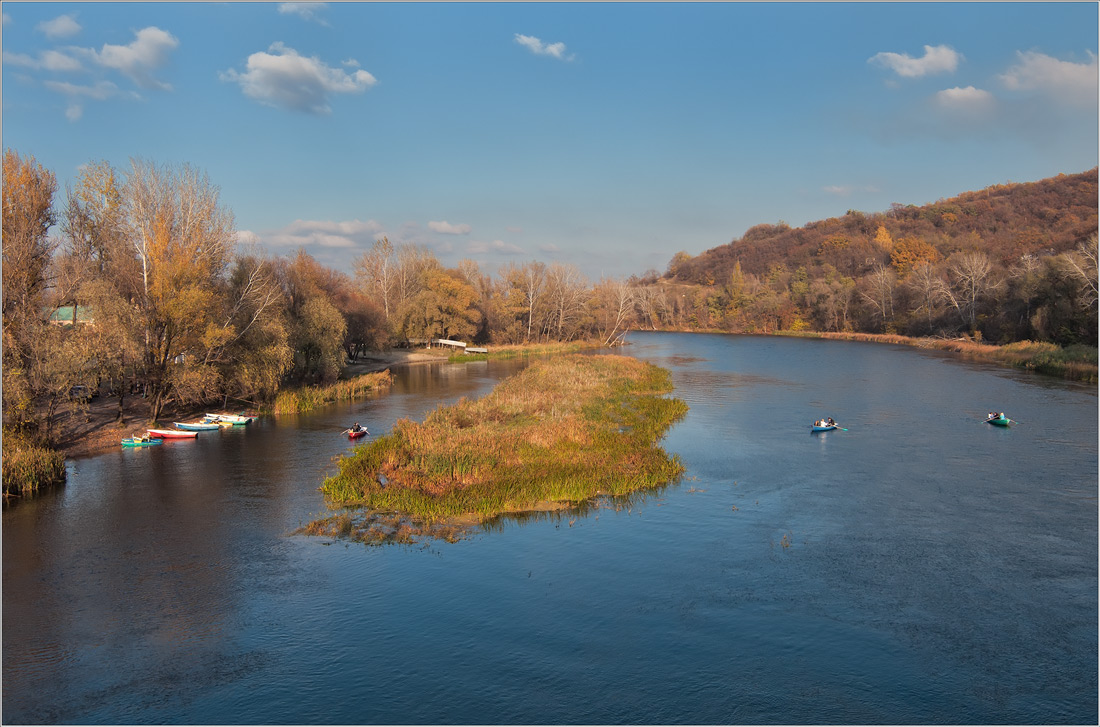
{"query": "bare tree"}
{"type": "Point", "coordinates": [971, 276]}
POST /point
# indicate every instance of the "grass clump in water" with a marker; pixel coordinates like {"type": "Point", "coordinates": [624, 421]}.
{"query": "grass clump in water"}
{"type": "Point", "coordinates": [307, 398]}
{"type": "Point", "coordinates": [561, 432]}
{"type": "Point", "coordinates": [28, 466]}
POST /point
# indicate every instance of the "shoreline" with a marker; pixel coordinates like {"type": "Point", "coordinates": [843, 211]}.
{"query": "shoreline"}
{"type": "Point", "coordinates": [95, 430]}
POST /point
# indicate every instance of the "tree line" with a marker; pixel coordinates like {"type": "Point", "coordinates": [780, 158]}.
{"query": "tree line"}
{"type": "Point", "coordinates": [1008, 263]}
{"type": "Point", "coordinates": [183, 314]}
{"type": "Point", "coordinates": [180, 313]}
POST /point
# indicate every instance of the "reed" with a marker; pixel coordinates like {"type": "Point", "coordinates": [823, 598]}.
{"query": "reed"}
{"type": "Point", "coordinates": [511, 351]}
{"type": "Point", "coordinates": [29, 467]}
{"type": "Point", "coordinates": [307, 398]}
{"type": "Point", "coordinates": [563, 431]}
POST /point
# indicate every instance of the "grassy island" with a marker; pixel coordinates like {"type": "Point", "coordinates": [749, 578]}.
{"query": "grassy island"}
{"type": "Point", "coordinates": [560, 432]}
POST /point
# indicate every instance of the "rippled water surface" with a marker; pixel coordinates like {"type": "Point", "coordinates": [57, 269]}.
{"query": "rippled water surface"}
{"type": "Point", "coordinates": [921, 567]}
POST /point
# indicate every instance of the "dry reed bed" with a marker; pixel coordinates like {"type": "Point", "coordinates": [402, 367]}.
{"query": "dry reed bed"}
{"type": "Point", "coordinates": [307, 398]}
{"type": "Point", "coordinates": [561, 432]}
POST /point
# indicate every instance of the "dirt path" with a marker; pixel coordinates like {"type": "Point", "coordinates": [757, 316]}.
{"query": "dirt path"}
{"type": "Point", "coordinates": [96, 429]}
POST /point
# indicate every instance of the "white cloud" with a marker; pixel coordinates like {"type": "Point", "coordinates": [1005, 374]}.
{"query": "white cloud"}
{"type": "Point", "coordinates": [1071, 83]}
{"type": "Point", "coordinates": [536, 46]}
{"type": "Point", "coordinates": [283, 79]}
{"type": "Point", "coordinates": [846, 190]}
{"type": "Point", "coordinates": [308, 11]}
{"type": "Point", "coordinates": [137, 61]}
{"type": "Point", "coordinates": [936, 59]}
{"type": "Point", "coordinates": [447, 228]}
{"type": "Point", "coordinates": [6, 18]}
{"type": "Point", "coordinates": [50, 60]}
{"type": "Point", "coordinates": [321, 233]}
{"type": "Point", "coordinates": [63, 26]}
{"type": "Point", "coordinates": [498, 246]}
{"type": "Point", "coordinates": [968, 100]}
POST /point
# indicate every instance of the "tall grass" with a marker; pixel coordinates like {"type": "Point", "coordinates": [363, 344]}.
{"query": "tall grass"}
{"type": "Point", "coordinates": [510, 351]}
{"type": "Point", "coordinates": [307, 398]}
{"type": "Point", "coordinates": [29, 467]}
{"type": "Point", "coordinates": [564, 430]}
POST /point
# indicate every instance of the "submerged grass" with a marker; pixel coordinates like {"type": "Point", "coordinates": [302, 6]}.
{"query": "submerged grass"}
{"type": "Point", "coordinates": [561, 432]}
{"type": "Point", "coordinates": [307, 398]}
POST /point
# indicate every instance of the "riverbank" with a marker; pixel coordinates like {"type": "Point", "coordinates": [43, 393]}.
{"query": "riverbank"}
{"type": "Point", "coordinates": [95, 428]}
{"type": "Point", "coordinates": [1075, 363]}
{"type": "Point", "coordinates": [560, 432]}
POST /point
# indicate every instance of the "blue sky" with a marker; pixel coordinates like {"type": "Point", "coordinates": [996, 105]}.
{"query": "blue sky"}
{"type": "Point", "coordinates": [609, 136]}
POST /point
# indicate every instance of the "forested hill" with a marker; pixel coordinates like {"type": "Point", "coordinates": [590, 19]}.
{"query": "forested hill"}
{"type": "Point", "coordinates": [1005, 221]}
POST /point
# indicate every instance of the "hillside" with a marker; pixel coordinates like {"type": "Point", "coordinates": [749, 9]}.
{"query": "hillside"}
{"type": "Point", "coordinates": [1006, 221]}
{"type": "Point", "coordinates": [1008, 263]}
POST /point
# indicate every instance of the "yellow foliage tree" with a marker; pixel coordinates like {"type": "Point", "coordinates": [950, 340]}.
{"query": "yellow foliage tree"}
{"type": "Point", "coordinates": [909, 252]}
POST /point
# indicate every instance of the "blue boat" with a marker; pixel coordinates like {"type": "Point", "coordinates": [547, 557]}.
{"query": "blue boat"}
{"type": "Point", "coordinates": [140, 441]}
{"type": "Point", "coordinates": [823, 427]}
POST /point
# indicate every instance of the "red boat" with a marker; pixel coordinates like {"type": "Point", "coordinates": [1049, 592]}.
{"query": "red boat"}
{"type": "Point", "coordinates": [355, 434]}
{"type": "Point", "coordinates": [171, 434]}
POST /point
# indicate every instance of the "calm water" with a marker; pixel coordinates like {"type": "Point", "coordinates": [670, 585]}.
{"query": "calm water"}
{"type": "Point", "coordinates": [922, 567]}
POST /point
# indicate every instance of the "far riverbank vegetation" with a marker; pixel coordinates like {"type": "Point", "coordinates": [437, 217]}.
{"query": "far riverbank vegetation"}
{"type": "Point", "coordinates": [563, 431]}
{"type": "Point", "coordinates": [132, 286]}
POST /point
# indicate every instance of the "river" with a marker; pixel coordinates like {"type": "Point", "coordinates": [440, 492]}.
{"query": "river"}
{"type": "Point", "coordinates": [921, 567]}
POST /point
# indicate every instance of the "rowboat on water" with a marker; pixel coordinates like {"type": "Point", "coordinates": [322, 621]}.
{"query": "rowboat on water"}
{"type": "Point", "coordinates": [171, 434]}
{"type": "Point", "coordinates": [998, 419]}
{"type": "Point", "coordinates": [825, 425]}
{"type": "Point", "coordinates": [140, 441]}
{"type": "Point", "coordinates": [202, 426]}
{"type": "Point", "coordinates": [353, 434]}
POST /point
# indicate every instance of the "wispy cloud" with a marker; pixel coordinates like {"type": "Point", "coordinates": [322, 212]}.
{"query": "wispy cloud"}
{"type": "Point", "coordinates": [50, 60]}
{"type": "Point", "coordinates": [77, 93]}
{"type": "Point", "coordinates": [1069, 83]}
{"type": "Point", "coordinates": [936, 59]}
{"type": "Point", "coordinates": [447, 228]}
{"type": "Point", "coordinates": [137, 61]}
{"type": "Point", "coordinates": [536, 46]}
{"type": "Point", "coordinates": [307, 11]}
{"type": "Point", "coordinates": [319, 233]}
{"type": "Point", "coordinates": [63, 26]}
{"type": "Point", "coordinates": [284, 79]}
{"type": "Point", "coordinates": [481, 247]}
{"type": "Point", "coordinates": [847, 190]}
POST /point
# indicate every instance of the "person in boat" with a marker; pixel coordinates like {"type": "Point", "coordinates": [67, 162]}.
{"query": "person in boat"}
{"type": "Point", "coordinates": [831, 422]}
{"type": "Point", "coordinates": [357, 428]}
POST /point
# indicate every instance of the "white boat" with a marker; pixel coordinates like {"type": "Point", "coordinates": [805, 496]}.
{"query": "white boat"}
{"type": "Point", "coordinates": [231, 418]}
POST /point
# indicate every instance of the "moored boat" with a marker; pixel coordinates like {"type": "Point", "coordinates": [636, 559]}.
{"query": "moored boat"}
{"type": "Point", "coordinates": [231, 418]}
{"type": "Point", "coordinates": [140, 441]}
{"type": "Point", "coordinates": [171, 434]}
{"type": "Point", "coordinates": [202, 426]}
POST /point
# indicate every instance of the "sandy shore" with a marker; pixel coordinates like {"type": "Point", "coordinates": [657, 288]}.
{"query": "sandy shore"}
{"type": "Point", "coordinates": [97, 429]}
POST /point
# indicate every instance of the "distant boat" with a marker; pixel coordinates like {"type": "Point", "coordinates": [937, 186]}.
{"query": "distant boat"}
{"type": "Point", "coordinates": [171, 434]}
{"type": "Point", "coordinates": [822, 425]}
{"type": "Point", "coordinates": [197, 426]}
{"type": "Point", "coordinates": [999, 421]}
{"type": "Point", "coordinates": [356, 433]}
{"type": "Point", "coordinates": [140, 441]}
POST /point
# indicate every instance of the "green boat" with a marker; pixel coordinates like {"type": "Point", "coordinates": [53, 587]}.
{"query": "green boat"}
{"type": "Point", "coordinates": [999, 421]}
{"type": "Point", "coordinates": [140, 441]}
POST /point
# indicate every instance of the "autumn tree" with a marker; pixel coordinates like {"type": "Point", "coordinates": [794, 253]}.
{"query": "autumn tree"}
{"type": "Point", "coordinates": [909, 252]}
{"type": "Point", "coordinates": [183, 238]}
{"type": "Point", "coordinates": [971, 279]}
{"type": "Point", "coordinates": [445, 307]}
{"type": "Point", "coordinates": [28, 214]}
